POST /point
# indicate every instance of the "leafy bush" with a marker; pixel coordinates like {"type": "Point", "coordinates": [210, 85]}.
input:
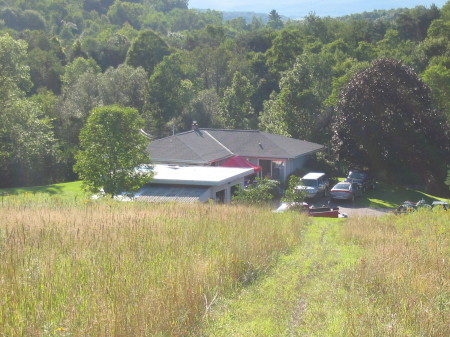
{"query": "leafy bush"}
{"type": "Point", "coordinates": [262, 190]}
{"type": "Point", "coordinates": [293, 194]}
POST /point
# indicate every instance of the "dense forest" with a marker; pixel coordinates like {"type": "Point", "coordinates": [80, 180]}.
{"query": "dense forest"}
{"type": "Point", "coordinates": [374, 87]}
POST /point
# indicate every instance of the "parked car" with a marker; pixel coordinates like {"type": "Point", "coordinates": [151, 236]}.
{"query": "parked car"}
{"type": "Point", "coordinates": [315, 184]}
{"type": "Point", "coordinates": [346, 191]}
{"type": "Point", "coordinates": [365, 179]}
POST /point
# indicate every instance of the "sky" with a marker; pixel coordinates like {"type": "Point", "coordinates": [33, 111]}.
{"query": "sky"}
{"type": "Point", "coordinates": [300, 8]}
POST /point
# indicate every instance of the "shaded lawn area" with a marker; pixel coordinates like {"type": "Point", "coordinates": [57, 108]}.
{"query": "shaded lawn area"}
{"type": "Point", "coordinates": [71, 189]}
{"type": "Point", "coordinates": [392, 196]}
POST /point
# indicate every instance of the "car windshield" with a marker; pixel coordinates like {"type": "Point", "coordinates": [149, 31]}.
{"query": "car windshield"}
{"type": "Point", "coordinates": [309, 182]}
{"type": "Point", "coordinates": [342, 187]}
{"type": "Point", "coordinates": [356, 175]}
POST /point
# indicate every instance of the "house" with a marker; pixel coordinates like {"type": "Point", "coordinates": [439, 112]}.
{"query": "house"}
{"type": "Point", "coordinates": [277, 156]}
{"type": "Point", "coordinates": [193, 183]}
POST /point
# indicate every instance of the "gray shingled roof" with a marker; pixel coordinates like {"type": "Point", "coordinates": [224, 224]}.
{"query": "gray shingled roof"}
{"type": "Point", "coordinates": [189, 147]}
{"type": "Point", "coordinates": [208, 145]}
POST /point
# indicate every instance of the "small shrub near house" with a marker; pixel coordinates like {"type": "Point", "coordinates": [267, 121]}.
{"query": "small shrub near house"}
{"type": "Point", "coordinates": [261, 191]}
{"type": "Point", "coordinates": [293, 194]}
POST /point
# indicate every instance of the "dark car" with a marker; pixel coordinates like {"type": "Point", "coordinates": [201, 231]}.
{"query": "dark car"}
{"type": "Point", "coordinates": [364, 179]}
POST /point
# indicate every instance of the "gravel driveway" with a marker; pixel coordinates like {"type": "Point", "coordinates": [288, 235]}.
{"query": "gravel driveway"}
{"type": "Point", "coordinates": [364, 211]}
{"type": "Point", "coordinates": [351, 210]}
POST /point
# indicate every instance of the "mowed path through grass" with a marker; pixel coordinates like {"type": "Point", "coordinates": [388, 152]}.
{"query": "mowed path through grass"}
{"type": "Point", "coordinates": [299, 296]}
{"type": "Point", "coordinates": [355, 277]}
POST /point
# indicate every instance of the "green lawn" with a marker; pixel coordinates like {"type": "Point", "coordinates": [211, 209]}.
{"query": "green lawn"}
{"type": "Point", "coordinates": [389, 196]}
{"type": "Point", "coordinates": [71, 190]}
{"type": "Point", "coordinates": [392, 196]}
{"type": "Point", "coordinates": [383, 196]}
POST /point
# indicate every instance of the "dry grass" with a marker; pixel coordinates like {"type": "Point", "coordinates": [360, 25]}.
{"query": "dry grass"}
{"type": "Point", "coordinates": [402, 286]}
{"type": "Point", "coordinates": [127, 269]}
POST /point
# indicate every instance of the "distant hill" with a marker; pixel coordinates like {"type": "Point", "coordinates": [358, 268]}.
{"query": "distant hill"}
{"type": "Point", "coordinates": [383, 14]}
{"type": "Point", "coordinates": [300, 9]}
{"type": "Point", "coordinates": [248, 16]}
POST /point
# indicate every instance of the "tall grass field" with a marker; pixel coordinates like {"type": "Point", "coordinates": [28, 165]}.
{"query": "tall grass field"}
{"type": "Point", "coordinates": [362, 276]}
{"type": "Point", "coordinates": [70, 266]}
{"type": "Point", "coordinates": [88, 268]}
{"type": "Point", "coordinates": [401, 285]}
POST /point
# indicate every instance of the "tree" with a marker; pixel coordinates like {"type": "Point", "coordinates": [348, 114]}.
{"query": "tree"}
{"type": "Point", "coordinates": [447, 181]}
{"type": "Point", "coordinates": [112, 149]}
{"type": "Point", "coordinates": [27, 143]}
{"type": "Point", "coordinates": [171, 88]}
{"type": "Point", "coordinates": [168, 5]}
{"type": "Point", "coordinates": [236, 104]}
{"type": "Point", "coordinates": [124, 11]}
{"type": "Point", "coordinates": [212, 64]}
{"type": "Point", "coordinates": [111, 49]}
{"type": "Point", "coordinates": [45, 70]}
{"type": "Point", "coordinates": [146, 51]}
{"type": "Point", "coordinates": [21, 20]}
{"type": "Point", "coordinates": [438, 78]}
{"type": "Point", "coordinates": [393, 46]}
{"type": "Point", "coordinates": [205, 109]}
{"type": "Point", "coordinates": [182, 19]}
{"type": "Point", "coordinates": [275, 21]}
{"type": "Point", "coordinates": [317, 27]}
{"type": "Point", "coordinates": [76, 68]}
{"type": "Point", "coordinates": [285, 47]}
{"type": "Point", "coordinates": [385, 121]}
{"type": "Point", "coordinates": [14, 71]}
{"type": "Point", "coordinates": [124, 85]}
{"type": "Point", "coordinates": [413, 24]}
{"type": "Point", "coordinates": [298, 108]}
{"type": "Point", "coordinates": [77, 101]}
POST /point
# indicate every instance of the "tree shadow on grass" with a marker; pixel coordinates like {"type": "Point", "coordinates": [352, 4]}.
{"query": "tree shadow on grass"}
{"type": "Point", "coordinates": [67, 189]}
{"type": "Point", "coordinates": [51, 190]}
{"type": "Point", "coordinates": [392, 196]}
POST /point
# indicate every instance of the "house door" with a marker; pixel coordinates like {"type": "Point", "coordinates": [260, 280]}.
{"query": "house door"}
{"type": "Point", "coordinates": [266, 168]}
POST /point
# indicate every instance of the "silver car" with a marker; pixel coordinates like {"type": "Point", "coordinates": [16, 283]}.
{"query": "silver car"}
{"type": "Point", "coordinates": [315, 184]}
{"type": "Point", "coordinates": [346, 191]}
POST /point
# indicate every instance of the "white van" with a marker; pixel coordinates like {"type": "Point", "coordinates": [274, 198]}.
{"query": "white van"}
{"type": "Point", "coordinates": [315, 184]}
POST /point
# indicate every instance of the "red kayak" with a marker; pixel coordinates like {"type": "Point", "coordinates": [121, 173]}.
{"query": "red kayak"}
{"type": "Point", "coordinates": [325, 212]}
